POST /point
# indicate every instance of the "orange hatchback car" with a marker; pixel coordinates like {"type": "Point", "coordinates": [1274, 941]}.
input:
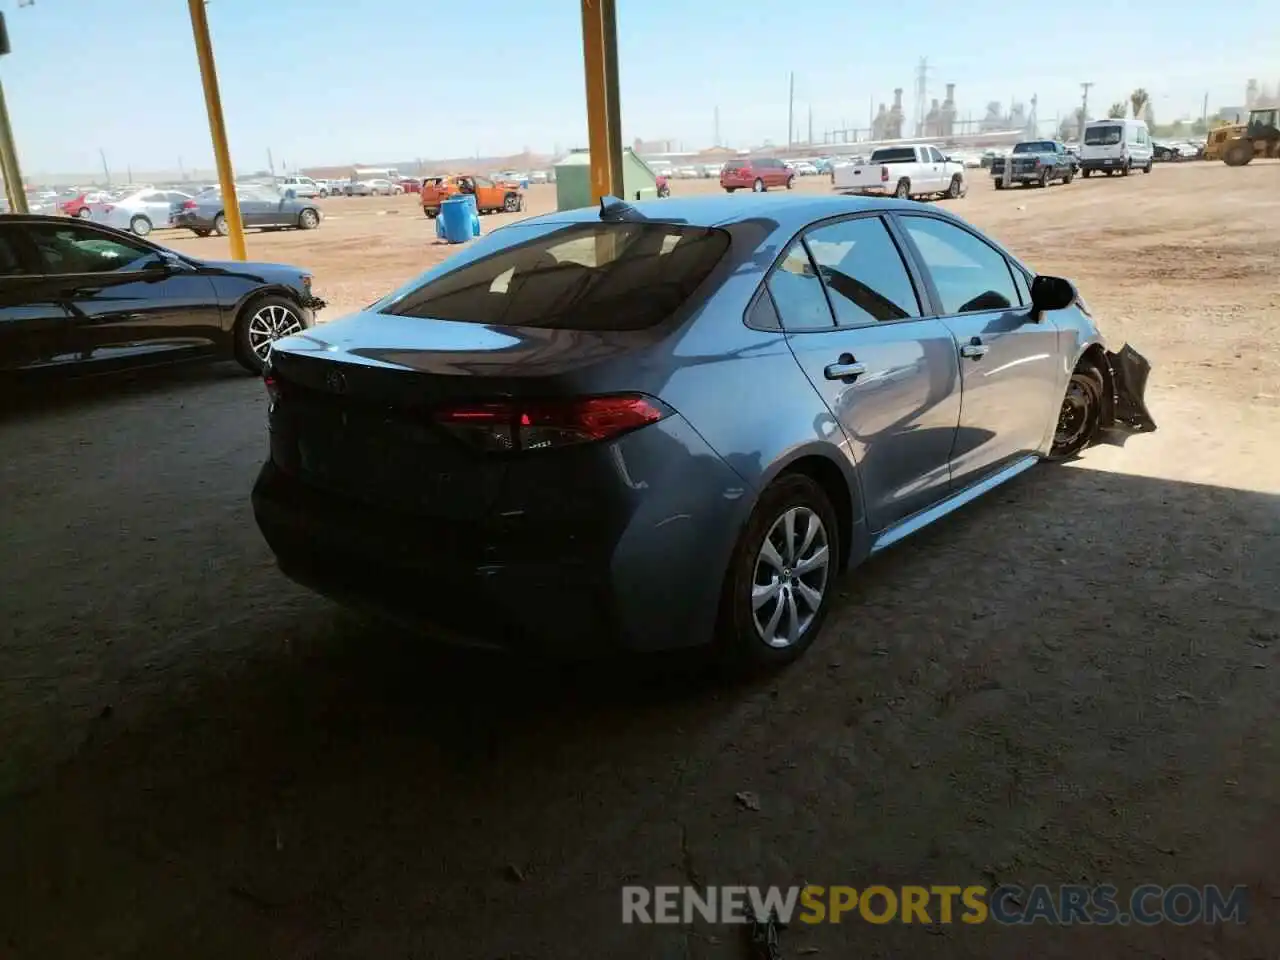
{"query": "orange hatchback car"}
{"type": "Point", "coordinates": [491, 196]}
{"type": "Point", "coordinates": [758, 175]}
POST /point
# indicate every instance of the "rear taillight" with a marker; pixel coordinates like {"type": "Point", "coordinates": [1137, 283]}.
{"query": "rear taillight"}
{"type": "Point", "coordinates": [272, 383]}
{"type": "Point", "coordinates": [189, 205]}
{"type": "Point", "coordinates": [884, 174]}
{"type": "Point", "coordinates": [507, 426]}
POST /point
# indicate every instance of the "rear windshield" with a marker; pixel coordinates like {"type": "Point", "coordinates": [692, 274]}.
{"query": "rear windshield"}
{"type": "Point", "coordinates": [894, 155]}
{"type": "Point", "coordinates": [1035, 146]}
{"type": "Point", "coordinates": [1103, 136]}
{"type": "Point", "coordinates": [581, 276]}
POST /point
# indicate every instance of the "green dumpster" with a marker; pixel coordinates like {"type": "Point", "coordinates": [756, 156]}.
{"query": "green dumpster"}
{"type": "Point", "coordinates": [573, 179]}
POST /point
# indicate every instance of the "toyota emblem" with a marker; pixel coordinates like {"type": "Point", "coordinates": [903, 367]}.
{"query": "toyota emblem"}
{"type": "Point", "coordinates": [336, 381]}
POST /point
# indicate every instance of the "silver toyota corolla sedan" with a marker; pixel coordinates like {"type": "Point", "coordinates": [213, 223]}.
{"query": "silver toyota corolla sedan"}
{"type": "Point", "coordinates": [672, 423]}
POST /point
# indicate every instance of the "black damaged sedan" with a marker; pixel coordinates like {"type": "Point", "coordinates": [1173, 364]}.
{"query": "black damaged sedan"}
{"type": "Point", "coordinates": [80, 298]}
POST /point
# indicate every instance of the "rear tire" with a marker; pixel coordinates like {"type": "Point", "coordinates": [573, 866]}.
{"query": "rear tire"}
{"type": "Point", "coordinates": [201, 233]}
{"type": "Point", "coordinates": [220, 225]}
{"type": "Point", "coordinates": [1080, 413]}
{"type": "Point", "coordinates": [1046, 178]}
{"type": "Point", "coordinates": [758, 186]}
{"type": "Point", "coordinates": [1070, 175]}
{"type": "Point", "coordinates": [1128, 168]}
{"type": "Point", "coordinates": [84, 213]}
{"type": "Point", "coordinates": [308, 219]}
{"type": "Point", "coordinates": [768, 592]}
{"type": "Point", "coordinates": [1238, 155]}
{"type": "Point", "coordinates": [1085, 173]}
{"type": "Point", "coordinates": [140, 225]}
{"type": "Point", "coordinates": [953, 192]}
{"type": "Point", "coordinates": [903, 190]}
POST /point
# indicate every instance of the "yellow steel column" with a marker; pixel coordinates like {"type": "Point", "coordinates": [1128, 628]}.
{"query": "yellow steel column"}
{"type": "Point", "coordinates": [604, 129]}
{"type": "Point", "coordinates": [13, 185]}
{"type": "Point", "coordinates": [217, 129]}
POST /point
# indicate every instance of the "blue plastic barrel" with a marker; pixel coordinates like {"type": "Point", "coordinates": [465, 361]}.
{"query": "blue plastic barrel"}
{"type": "Point", "coordinates": [456, 215]}
{"type": "Point", "coordinates": [475, 214]}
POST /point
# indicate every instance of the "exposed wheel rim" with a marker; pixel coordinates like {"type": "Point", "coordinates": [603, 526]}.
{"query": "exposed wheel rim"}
{"type": "Point", "coordinates": [1075, 415]}
{"type": "Point", "coordinates": [954, 192]}
{"type": "Point", "coordinates": [790, 577]}
{"type": "Point", "coordinates": [84, 213]}
{"type": "Point", "coordinates": [268, 324]}
{"type": "Point", "coordinates": [309, 219]}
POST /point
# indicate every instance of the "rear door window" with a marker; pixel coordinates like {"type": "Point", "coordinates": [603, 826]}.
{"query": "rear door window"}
{"type": "Point", "coordinates": [863, 271]}
{"type": "Point", "coordinates": [798, 294]}
{"type": "Point", "coordinates": [579, 276]}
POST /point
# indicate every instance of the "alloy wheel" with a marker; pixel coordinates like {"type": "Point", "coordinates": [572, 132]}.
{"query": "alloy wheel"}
{"type": "Point", "coordinates": [790, 577]}
{"type": "Point", "coordinates": [268, 324]}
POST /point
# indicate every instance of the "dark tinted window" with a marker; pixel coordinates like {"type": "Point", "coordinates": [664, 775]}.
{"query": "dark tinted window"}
{"type": "Point", "coordinates": [75, 249]}
{"type": "Point", "coordinates": [970, 274]}
{"type": "Point", "coordinates": [764, 315]}
{"type": "Point", "coordinates": [1104, 135]}
{"type": "Point", "coordinates": [1035, 146]}
{"type": "Point", "coordinates": [583, 276]}
{"type": "Point", "coordinates": [10, 258]}
{"type": "Point", "coordinates": [798, 294]}
{"type": "Point", "coordinates": [894, 155]}
{"type": "Point", "coordinates": [864, 273]}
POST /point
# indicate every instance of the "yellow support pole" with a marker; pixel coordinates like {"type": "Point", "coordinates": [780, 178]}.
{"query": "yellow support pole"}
{"type": "Point", "coordinates": [604, 127]}
{"type": "Point", "coordinates": [13, 185]}
{"type": "Point", "coordinates": [218, 129]}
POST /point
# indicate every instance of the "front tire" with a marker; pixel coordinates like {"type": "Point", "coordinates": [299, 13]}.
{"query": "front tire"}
{"type": "Point", "coordinates": [954, 191]}
{"type": "Point", "coordinates": [790, 182]}
{"type": "Point", "coordinates": [1046, 178]}
{"type": "Point", "coordinates": [308, 219]}
{"type": "Point", "coordinates": [84, 213]}
{"type": "Point", "coordinates": [1080, 413]}
{"type": "Point", "coordinates": [140, 225]}
{"type": "Point", "coordinates": [261, 323]}
{"type": "Point", "coordinates": [512, 203]}
{"type": "Point", "coordinates": [903, 190]}
{"type": "Point", "coordinates": [220, 225]}
{"type": "Point", "coordinates": [781, 578]}
{"type": "Point", "coordinates": [1070, 175]}
{"type": "Point", "coordinates": [758, 186]}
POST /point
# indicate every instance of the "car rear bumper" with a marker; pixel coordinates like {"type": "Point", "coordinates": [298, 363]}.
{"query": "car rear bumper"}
{"type": "Point", "coordinates": [1107, 163]}
{"type": "Point", "coordinates": [632, 560]}
{"type": "Point", "coordinates": [869, 190]}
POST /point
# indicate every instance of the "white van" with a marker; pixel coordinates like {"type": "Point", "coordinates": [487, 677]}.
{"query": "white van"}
{"type": "Point", "coordinates": [1119, 145]}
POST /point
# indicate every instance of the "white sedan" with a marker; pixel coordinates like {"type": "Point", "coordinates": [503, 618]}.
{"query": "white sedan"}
{"type": "Point", "coordinates": [141, 211]}
{"type": "Point", "coordinates": [375, 187]}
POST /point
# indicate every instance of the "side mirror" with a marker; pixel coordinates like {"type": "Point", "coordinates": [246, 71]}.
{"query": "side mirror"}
{"type": "Point", "coordinates": [1051, 293]}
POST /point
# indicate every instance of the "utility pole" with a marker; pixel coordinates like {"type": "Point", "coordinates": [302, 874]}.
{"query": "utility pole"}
{"type": "Point", "coordinates": [1204, 116]}
{"type": "Point", "coordinates": [271, 164]}
{"type": "Point", "coordinates": [106, 171]}
{"type": "Point", "coordinates": [717, 143]}
{"type": "Point", "coordinates": [1084, 108]}
{"type": "Point", "coordinates": [129, 172]}
{"type": "Point", "coordinates": [810, 123]}
{"type": "Point", "coordinates": [182, 172]}
{"type": "Point", "coordinates": [791, 111]}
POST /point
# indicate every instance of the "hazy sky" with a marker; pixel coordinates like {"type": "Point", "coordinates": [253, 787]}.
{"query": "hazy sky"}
{"type": "Point", "coordinates": [323, 82]}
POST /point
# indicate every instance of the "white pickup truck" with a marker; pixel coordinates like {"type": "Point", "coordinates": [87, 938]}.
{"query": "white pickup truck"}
{"type": "Point", "coordinates": [918, 171]}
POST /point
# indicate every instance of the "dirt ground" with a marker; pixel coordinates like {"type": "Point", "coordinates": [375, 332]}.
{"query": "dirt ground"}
{"type": "Point", "coordinates": [1073, 680]}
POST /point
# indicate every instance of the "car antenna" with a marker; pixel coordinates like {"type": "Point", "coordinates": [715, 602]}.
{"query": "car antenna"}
{"type": "Point", "coordinates": [613, 208]}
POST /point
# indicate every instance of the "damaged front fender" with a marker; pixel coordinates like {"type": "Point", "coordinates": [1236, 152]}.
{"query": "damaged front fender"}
{"type": "Point", "coordinates": [1129, 373]}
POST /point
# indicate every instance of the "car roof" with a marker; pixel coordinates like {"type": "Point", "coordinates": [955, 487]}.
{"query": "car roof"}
{"type": "Point", "coordinates": [791, 211]}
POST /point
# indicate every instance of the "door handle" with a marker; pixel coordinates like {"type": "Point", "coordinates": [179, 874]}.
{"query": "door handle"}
{"type": "Point", "coordinates": [975, 349]}
{"type": "Point", "coordinates": [846, 368]}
